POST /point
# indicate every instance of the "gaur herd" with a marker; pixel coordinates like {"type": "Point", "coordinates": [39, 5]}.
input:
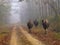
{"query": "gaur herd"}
{"type": "Point", "coordinates": [35, 23]}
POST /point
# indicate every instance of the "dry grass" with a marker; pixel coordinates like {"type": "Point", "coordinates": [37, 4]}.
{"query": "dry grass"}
{"type": "Point", "coordinates": [51, 38]}
{"type": "Point", "coordinates": [5, 35]}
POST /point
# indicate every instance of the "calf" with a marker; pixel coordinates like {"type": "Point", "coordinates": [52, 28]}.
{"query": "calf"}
{"type": "Point", "coordinates": [35, 23]}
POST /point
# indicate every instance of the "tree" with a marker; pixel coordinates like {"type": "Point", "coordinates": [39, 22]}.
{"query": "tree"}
{"type": "Point", "coordinates": [55, 8]}
{"type": "Point", "coordinates": [53, 5]}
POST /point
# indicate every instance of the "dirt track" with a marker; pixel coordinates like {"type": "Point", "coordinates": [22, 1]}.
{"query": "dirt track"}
{"type": "Point", "coordinates": [29, 38]}
{"type": "Point", "coordinates": [13, 40]}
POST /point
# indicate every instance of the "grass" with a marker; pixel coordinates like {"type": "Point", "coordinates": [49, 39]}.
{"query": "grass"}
{"type": "Point", "coordinates": [57, 36]}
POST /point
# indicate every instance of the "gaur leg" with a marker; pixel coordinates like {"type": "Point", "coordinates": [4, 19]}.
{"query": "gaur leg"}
{"type": "Point", "coordinates": [29, 30]}
{"type": "Point", "coordinates": [45, 31]}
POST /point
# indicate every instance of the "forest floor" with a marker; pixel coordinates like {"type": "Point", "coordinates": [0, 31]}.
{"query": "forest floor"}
{"type": "Point", "coordinates": [51, 38]}
{"type": "Point", "coordinates": [19, 35]}
{"type": "Point", "coordinates": [5, 35]}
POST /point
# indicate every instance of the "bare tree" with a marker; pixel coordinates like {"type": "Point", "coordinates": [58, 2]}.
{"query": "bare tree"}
{"type": "Point", "coordinates": [53, 5]}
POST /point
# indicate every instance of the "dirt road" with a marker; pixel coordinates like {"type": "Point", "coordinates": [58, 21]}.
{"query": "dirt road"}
{"type": "Point", "coordinates": [13, 40]}
{"type": "Point", "coordinates": [31, 39]}
{"type": "Point", "coordinates": [20, 36]}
